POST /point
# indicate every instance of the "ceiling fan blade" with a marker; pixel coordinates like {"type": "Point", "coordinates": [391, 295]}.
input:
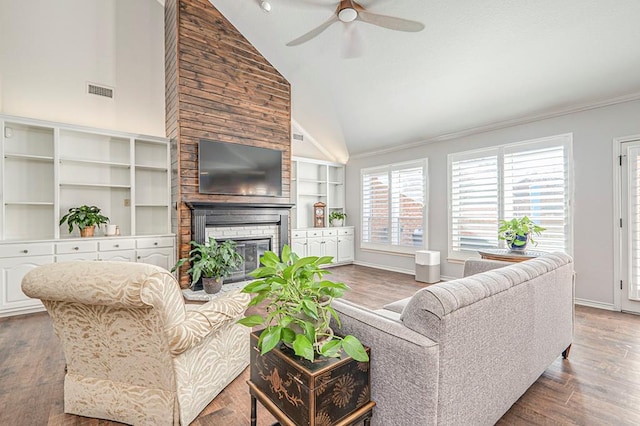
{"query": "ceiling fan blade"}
{"type": "Point", "coordinates": [313, 33]}
{"type": "Point", "coordinates": [390, 22]}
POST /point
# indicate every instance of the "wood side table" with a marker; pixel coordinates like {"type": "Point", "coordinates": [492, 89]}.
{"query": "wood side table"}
{"type": "Point", "coordinates": [332, 392]}
{"type": "Point", "coordinates": [506, 255]}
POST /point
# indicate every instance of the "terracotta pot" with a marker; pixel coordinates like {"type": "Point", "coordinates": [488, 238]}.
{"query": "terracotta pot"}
{"type": "Point", "coordinates": [212, 285]}
{"type": "Point", "coordinates": [87, 231]}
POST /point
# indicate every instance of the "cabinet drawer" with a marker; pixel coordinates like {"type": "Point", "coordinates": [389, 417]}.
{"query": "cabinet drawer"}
{"type": "Point", "coordinates": [298, 234]}
{"type": "Point", "coordinates": [116, 245]}
{"type": "Point", "coordinates": [345, 231]}
{"type": "Point", "coordinates": [314, 233]}
{"type": "Point", "coordinates": [19, 250]}
{"type": "Point", "coordinates": [154, 242]}
{"type": "Point", "coordinates": [76, 247]}
{"type": "Point", "coordinates": [329, 232]}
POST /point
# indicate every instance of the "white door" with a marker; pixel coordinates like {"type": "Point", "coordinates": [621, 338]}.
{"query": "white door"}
{"type": "Point", "coordinates": [630, 227]}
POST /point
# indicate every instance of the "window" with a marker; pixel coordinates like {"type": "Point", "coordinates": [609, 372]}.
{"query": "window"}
{"type": "Point", "coordinates": [524, 179]}
{"type": "Point", "coordinates": [394, 199]}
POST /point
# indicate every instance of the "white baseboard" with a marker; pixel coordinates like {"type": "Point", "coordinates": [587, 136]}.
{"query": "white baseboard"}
{"type": "Point", "coordinates": [22, 311]}
{"type": "Point", "coordinates": [445, 278]}
{"type": "Point", "coordinates": [384, 267]}
{"type": "Point", "coordinates": [594, 304]}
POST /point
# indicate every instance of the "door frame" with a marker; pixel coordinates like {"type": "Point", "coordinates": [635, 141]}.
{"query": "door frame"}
{"type": "Point", "coordinates": [618, 274]}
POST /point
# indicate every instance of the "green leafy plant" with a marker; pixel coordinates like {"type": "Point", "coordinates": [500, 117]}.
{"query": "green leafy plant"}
{"type": "Point", "coordinates": [337, 215]}
{"type": "Point", "coordinates": [83, 217]}
{"type": "Point", "coordinates": [298, 309]}
{"type": "Point", "coordinates": [518, 230]}
{"type": "Point", "coordinates": [211, 259]}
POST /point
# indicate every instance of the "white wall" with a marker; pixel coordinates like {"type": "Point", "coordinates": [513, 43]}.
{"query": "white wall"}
{"type": "Point", "coordinates": [593, 133]}
{"type": "Point", "coordinates": [49, 50]}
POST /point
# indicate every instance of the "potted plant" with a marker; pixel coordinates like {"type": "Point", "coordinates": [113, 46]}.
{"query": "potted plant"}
{"type": "Point", "coordinates": [85, 218]}
{"type": "Point", "coordinates": [211, 261]}
{"type": "Point", "coordinates": [298, 307]}
{"type": "Point", "coordinates": [518, 231]}
{"type": "Point", "coordinates": [337, 217]}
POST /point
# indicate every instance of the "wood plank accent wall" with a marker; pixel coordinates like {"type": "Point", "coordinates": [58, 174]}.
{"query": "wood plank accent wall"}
{"type": "Point", "coordinates": [218, 87]}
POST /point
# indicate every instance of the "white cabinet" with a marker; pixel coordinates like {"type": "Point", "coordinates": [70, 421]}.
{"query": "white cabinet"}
{"type": "Point", "coordinates": [334, 242]}
{"type": "Point", "coordinates": [47, 168]}
{"type": "Point", "coordinates": [15, 262]}
{"type": "Point", "coordinates": [18, 258]}
{"type": "Point", "coordinates": [299, 243]}
{"type": "Point", "coordinates": [156, 251]}
{"type": "Point", "coordinates": [345, 245]}
{"type": "Point", "coordinates": [313, 181]}
{"type": "Point", "coordinates": [120, 250]}
{"type": "Point", "coordinates": [162, 257]}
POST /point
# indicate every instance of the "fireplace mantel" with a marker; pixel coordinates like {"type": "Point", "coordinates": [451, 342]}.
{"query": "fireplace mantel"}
{"type": "Point", "coordinates": [239, 214]}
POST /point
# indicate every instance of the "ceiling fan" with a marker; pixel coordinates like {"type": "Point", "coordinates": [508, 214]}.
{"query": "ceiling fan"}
{"type": "Point", "coordinates": [349, 11]}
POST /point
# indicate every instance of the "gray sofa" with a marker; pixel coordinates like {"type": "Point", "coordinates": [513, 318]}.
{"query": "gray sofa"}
{"type": "Point", "coordinates": [462, 352]}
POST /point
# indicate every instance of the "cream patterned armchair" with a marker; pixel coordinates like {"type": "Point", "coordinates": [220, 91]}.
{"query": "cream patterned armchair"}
{"type": "Point", "coordinates": [135, 352]}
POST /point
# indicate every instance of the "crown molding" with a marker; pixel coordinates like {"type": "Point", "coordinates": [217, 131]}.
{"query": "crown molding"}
{"type": "Point", "coordinates": [502, 125]}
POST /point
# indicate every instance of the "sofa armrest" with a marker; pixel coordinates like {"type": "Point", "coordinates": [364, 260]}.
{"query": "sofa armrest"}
{"type": "Point", "coordinates": [404, 365]}
{"type": "Point", "coordinates": [202, 320]}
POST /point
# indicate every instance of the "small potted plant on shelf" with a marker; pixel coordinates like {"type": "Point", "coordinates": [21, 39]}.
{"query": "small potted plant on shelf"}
{"type": "Point", "coordinates": [298, 307]}
{"type": "Point", "coordinates": [212, 262]}
{"type": "Point", "coordinates": [518, 231]}
{"type": "Point", "coordinates": [85, 218]}
{"type": "Point", "coordinates": [337, 217]}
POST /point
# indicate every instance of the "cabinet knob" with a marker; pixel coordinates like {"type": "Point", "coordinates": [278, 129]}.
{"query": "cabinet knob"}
{"type": "Point", "coordinates": [76, 248]}
{"type": "Point", "coordinates": [155, 244]}
{"type": "Point", "coordinates": [25, 251]}
{"type": "Point", "coordinates": [139, 257]}
{"type": "Point", "coordinates": [117, 245]}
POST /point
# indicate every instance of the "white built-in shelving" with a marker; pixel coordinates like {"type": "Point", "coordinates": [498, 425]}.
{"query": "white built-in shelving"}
{"type": "Point", "coordinates": [315, 181]}
{"type": "Point", "coordinates": [48, 167]}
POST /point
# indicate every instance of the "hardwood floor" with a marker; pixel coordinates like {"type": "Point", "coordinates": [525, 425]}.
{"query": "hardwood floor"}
{"type": "Point", "coordinates": [597, 385]}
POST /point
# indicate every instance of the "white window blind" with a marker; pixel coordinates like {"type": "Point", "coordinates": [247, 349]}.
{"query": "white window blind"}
{"type": "Point", "coordinates": [393, 207]}
{"type": "Point", "coordinates": [524, 179]}
{"type": "Point", "coordinates": [474, 203]}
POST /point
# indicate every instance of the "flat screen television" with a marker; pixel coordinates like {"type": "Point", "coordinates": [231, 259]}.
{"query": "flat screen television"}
{"type": "Point", "coordinates": [233, 169]}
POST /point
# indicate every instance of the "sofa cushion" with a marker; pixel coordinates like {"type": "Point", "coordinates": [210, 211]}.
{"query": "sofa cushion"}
{"type": "Point", "coordinates": [397, 306]}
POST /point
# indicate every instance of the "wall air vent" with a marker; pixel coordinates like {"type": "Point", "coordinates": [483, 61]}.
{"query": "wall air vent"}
{"type": "Point", "coordinates": [94, 89]}
{"type": "Point", "coordinates": [298, 137]}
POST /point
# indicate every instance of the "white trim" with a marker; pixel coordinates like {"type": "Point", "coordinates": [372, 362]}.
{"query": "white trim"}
{"type": "Point", "coordinates": [595, 304]}
{"type": "Point", "coordinates": [501, 125]}
{"type": "Point", "coordinates": [22, 311]}
{"type": "Point", "coordinates": [617, 215]}
{"type": "Point", "coordinates": [311, 139]}
{"type": "Point", "coordinates": [384, 267]}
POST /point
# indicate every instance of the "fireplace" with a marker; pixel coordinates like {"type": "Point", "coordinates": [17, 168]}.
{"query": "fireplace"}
{"type": "Point", "coordinates": [256, 228]}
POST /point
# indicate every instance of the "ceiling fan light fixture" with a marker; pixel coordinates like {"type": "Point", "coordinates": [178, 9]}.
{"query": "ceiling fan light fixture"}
{"type": "Point", "coordinates": [266, 6]}
{"type": "Point", "coordinates": [348, 14]}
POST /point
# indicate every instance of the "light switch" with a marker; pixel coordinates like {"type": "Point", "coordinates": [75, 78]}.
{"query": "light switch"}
{"type": "Point", "coordinates": [8, 132]}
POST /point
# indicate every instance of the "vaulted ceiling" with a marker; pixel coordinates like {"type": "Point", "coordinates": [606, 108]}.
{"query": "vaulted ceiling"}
{"type": "Point", "coordinates": [476, 65]}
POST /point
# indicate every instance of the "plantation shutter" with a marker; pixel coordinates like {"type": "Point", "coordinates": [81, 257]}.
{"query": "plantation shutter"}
{"type": "Point", "coordinates": [536, 185]}
{"type": "Point", "coordinates": [407, 204]}
{"type": "Point", "coordinates": [375, 206]}
{"type": "Point", "coordinates": [522, 179]}
{"type": "Point", "coordinates": [474, 202]}
{"type": "Point", "coordinates": [393, 206]}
